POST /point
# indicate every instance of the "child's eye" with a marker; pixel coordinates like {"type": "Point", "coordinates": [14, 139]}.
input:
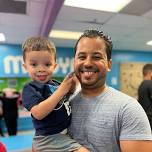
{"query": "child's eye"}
{"type": "Point", "coordinates": [33, 64]}
{"type": "Point", "coordinates": [47, 64]}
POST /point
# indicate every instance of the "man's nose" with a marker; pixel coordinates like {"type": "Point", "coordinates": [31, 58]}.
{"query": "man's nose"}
{"type": "Point", "coordinates": [88, 61]}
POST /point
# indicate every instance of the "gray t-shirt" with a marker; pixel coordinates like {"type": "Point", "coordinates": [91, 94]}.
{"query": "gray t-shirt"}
{"type": "Point", "coordinates": [99, 123]}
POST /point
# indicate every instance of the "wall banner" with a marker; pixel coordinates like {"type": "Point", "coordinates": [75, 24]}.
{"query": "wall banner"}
{"type": "Point", "coordinates": [11, 62]}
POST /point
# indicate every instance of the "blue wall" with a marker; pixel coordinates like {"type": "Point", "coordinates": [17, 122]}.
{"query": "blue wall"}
{"type": "Point", "coordinates": [11, 62]}
{"type": "Point", "coordinates": [122, 57]}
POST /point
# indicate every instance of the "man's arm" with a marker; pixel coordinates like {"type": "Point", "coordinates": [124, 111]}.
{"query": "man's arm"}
{"type": "Point", "coordinates": [136, 146]}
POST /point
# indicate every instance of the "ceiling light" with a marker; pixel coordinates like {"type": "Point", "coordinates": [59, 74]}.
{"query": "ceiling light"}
{"type": "Point", "coordinates": [64, 34]}
{"type": "Point", "coordinates": [102, 5]}
{"type": "Point", "coordinates": [2, 37]}
{"type": "Point", "coordinates": [149, 43]}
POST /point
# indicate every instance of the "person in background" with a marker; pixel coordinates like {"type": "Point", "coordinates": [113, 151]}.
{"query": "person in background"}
{"type": "Point", "coordinates": [103, 118]}
{"type": "Point", "coordinates": [10, 110]}
{"type": "Point", "coordinates": [145, 91]}
{"type": "Point", "coordinates": [47, 99]}
{"type": "Point", "coordinates": [1, 115]}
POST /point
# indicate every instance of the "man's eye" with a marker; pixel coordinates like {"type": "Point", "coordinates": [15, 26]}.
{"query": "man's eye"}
{"type": "Point", "coordinates": [98, 57]}
{"type": "Point", "coordinates": [81, 57]}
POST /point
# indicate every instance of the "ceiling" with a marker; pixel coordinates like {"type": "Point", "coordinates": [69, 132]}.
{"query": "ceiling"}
{"type": "Point", "coordinates": [129, 29]}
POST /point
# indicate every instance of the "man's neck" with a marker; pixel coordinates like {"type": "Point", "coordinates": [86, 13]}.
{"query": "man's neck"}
{"type": "Point", "coordinates": [148, 77]}
{"type": "Point", "coordinates": [90, 92]}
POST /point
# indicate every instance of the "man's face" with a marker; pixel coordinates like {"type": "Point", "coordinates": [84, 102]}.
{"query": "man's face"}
{"type": "Point", "coordinates": [90, 63]}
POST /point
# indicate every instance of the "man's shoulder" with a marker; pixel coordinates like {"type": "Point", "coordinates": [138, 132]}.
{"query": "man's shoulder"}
{"type": "Point", "coordinates": [117, 93]}
{"type": "Point", "coordinates": [119, 98]}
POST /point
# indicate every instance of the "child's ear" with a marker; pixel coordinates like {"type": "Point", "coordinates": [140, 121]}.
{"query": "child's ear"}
{"type": "Point", "coordinates": [24, 65]}
{"type": "Point", "coordinates": [55, 65]}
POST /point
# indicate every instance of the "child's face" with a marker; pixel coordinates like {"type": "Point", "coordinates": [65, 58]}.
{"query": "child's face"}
{"type": "Point", "coordinates": [40, 65]}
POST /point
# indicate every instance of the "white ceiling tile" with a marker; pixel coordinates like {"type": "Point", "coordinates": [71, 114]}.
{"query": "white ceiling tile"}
{"type": "Point", "coordinates": [148, 14]}
{"type": "Point", "coordinates": [36, 9]}
{"type": "Point", "coordinates": [128, 32]}
{"type": "Point", "coordinates": [83, 15]}
{"type": "Point", "coordinates": [123, 20]}
{"type": "Point", "coordinates": [73, 26]}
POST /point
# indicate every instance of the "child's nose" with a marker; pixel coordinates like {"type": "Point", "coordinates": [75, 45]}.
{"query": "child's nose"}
{"type": "Point", "coordinates": [41, 68]}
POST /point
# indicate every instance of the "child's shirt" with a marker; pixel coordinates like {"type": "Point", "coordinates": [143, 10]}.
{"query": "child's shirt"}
{"type": "Point", "coordinates": [56, 121]}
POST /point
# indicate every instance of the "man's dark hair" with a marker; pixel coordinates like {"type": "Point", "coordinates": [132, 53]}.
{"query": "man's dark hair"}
{"type": "Point", "coordinates": [147, 68]}
{"type": "Point", "coordinates": [100, 34]}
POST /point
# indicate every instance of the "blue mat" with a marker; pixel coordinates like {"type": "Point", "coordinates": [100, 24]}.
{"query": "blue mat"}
{"type": "Point", "coordinates": [17, 143]}
{"type": "Point", "coordinates": [24, 123]}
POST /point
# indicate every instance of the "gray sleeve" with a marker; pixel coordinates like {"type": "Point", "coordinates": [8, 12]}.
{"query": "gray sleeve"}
{"type": "Point", "coordinates": [134, 123]}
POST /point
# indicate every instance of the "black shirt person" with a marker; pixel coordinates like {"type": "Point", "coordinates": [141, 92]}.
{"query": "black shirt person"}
{"type": "Point", "coordinates": [145, 91]}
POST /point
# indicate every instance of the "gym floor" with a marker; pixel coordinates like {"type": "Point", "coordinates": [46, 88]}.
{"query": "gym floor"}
{"type": "Point", "coordinates": [19, 143]}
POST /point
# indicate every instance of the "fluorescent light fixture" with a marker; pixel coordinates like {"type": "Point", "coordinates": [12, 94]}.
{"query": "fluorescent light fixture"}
{"type": "Point", "coordinates": [102, 5]}
{"type": "Point", "coordinates": [64, 34]}
{"type": "Point", "coordinates": [2, 37]}
{"type": "Point", "coordinates": [149, 42]}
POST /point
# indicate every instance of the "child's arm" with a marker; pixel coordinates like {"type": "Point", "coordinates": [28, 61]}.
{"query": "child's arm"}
{"type": "Point", "coordinates": [45, 107]}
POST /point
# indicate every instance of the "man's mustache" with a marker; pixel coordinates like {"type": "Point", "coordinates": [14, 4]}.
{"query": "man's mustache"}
{"type": "Point", "coordinates": [89, 69]}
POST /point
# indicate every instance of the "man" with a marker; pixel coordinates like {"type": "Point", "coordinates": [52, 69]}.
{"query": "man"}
{"type": "Point", "coordinates": [145, 91]}
{"type": "Point", "coordinates": [104, 119]}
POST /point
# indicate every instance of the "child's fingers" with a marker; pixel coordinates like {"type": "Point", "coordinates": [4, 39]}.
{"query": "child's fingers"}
{"type": "Point", "coordinates": [69, 76]}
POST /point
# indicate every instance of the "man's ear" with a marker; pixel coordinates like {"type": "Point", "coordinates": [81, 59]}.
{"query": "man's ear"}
{"type": "Point", "coordinates": [109, 64]}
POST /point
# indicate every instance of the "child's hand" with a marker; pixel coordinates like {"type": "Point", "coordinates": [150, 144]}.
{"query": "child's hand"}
{"type": "Point", "coordinates": [68, 84]}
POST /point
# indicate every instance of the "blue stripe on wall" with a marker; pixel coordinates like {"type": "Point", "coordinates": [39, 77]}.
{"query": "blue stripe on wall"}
{"type": "Point", "coordinates": [11, 66]}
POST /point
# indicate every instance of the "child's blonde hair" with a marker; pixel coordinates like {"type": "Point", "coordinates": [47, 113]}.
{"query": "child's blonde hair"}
{"type": "Point", "coordinates": [38, 44]}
